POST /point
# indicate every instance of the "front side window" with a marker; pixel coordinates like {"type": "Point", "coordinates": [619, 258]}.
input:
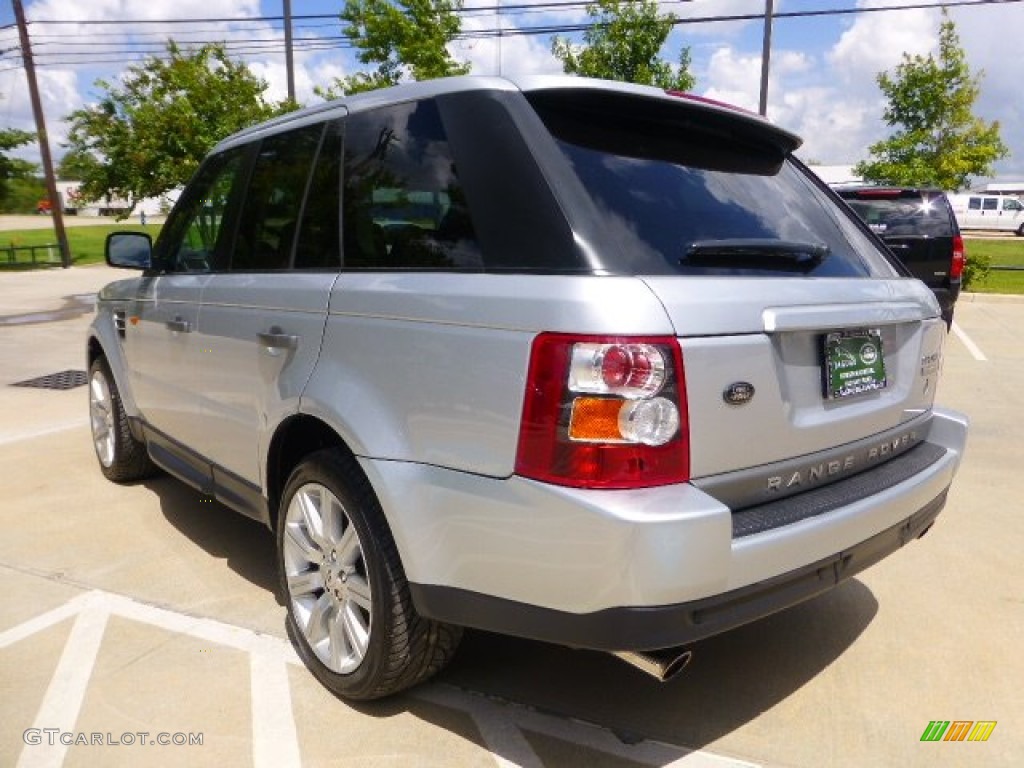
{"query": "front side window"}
{"type": "Point", "coordinates": [403, 204]}
{"type": "Point", "coordinates": [197, 235]}
{"type": "Point", "coordinates": [1012, 205]}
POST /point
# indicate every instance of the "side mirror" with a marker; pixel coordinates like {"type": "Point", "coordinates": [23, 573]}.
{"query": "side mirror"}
{"type": "Point", "coordinates": [129, 250]}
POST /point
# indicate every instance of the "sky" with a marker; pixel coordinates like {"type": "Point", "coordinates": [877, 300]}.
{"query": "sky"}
{"type": "Point", "coordinates": [823, 68]}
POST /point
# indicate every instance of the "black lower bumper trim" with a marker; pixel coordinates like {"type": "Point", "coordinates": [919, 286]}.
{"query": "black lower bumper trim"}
{"type": "Point", "coordinates": [665, 626]}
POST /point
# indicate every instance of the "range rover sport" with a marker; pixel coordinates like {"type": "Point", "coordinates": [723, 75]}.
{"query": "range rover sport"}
{"type": "Point", "coordinates": [577, 361]}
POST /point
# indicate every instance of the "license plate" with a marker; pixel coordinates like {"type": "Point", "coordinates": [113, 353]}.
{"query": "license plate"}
{"type": "Point", "coordinates": [854, 364]}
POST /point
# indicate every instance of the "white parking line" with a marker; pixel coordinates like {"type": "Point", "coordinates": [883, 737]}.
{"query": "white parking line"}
{"type": "Point", "coordinates": [28, 434]}
{"type": "Point", "coordinates": [275, 742]}
{"type": "Point", "coordinates": [275, 736]}
{"type": "Point", "coordinates": [973, 348]}
{"type": "Point", "coordinates": [66, 692]}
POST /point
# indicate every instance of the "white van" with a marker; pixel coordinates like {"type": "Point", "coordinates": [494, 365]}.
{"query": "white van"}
{"type": "Point", "coordinates": [988, 212]}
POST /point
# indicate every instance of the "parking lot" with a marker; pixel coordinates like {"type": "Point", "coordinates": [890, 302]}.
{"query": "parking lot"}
{"type": "Point", "coordinates": [150, 610]}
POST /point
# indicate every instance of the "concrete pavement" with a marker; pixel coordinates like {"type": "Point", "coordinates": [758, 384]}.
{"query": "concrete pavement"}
{"type": "Point", "coordinates": [148, 609]}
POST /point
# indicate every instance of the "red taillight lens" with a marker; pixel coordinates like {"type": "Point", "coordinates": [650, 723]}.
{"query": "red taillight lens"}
{"type": "Point", "coordinates": [959, 258]}
{"type": "Point", "coordinates": [604, 412]}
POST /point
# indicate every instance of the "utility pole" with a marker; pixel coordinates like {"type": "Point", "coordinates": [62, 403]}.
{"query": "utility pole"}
{"type": "Point", "coordinates": [766, 56]}
{"type": "Point", "coordinates": [289, 62]}
{"type": "Point", "coordinates": [56, 206]}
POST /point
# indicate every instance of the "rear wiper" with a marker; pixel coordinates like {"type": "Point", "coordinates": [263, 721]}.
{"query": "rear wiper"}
{"type": "Point", "coordinates": [756, 253]}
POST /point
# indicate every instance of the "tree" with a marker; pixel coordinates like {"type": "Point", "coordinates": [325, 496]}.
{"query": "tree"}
{"type": "Point", "coordinates": [148, 134]}
{"type": "Point", "coordinates": [13, 169]}
{"type": "Point", "coordinates": [623, 43]}
{"type": "Point", "coordinates": [400, 37]}
{"type": "Point", "coordinates": [938, 141]}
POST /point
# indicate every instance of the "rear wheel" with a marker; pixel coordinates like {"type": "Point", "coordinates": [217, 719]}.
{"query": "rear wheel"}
{"type": "Point", "coordinates": [350, 614]}
{"type": "Point", "coordinates": [1020, 230]}
{"type": "Point", "coordinates": [122, 458]}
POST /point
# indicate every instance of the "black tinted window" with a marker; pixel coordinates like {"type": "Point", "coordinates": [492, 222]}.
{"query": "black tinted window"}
{"type": "Point", "coordinates": [403, 204]}
{"type": "Point", "coordinates": [905, 215]}
{"type": "Point", "coordinates": [318, 246]}
{"type": "Point", "coordinates": [270, 216]}
{"type": "Point", "coordinates": [990, 204]}
{"type": "Point", "coordinates": [197, 236]}
{"type": "Point", "coordinates": [668, 190]}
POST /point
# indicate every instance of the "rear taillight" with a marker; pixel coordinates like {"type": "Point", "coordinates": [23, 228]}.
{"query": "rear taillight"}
{"type": "Point", "coordinates": [604, 412]}
{"type": "Point", "coordinates": [959, 258]}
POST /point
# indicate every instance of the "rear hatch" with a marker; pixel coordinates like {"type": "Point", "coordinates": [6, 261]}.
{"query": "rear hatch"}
{"type": "Point", "coordinates": [799, 336]}
{"type": "Point", "coordinates": [917, 225]}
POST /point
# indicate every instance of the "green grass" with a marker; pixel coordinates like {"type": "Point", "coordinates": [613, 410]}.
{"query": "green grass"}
{"type": "Point", "coordinates": [1000, 252]}
{"type": "Point", "coordinates": [1008, 251]}
{"type": "Point", "coordinates": [85, 243]}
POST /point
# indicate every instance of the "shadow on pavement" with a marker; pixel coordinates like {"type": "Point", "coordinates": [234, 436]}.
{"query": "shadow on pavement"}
{"type": "Point", "coordinates": [731, 680]}
{"type": "Point", "coordinates": [245, 545]}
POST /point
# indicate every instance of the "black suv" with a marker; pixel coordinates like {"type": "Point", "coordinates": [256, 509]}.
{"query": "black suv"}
{"type": "Point", "coordinates": [919, 227]}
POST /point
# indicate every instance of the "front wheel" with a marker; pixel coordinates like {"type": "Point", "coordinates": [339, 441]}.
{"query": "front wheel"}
{"type": "Point", "coordinates": [1020, 230]}
{"type": "Point", "coordinates": [122, 458]}
{"type": "Point", "coordinates": [350, 614]}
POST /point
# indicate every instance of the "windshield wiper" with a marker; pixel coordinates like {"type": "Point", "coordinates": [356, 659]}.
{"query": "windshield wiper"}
{"type": "Point", "coordinates": [756, 253]}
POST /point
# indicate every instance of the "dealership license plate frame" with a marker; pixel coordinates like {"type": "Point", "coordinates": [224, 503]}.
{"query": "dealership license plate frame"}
{"type": "Point", "coordinates": [853, 363]}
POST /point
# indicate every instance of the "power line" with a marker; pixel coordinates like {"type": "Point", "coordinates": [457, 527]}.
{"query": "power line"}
{"type": "Point", "coordinates": [263, 45]}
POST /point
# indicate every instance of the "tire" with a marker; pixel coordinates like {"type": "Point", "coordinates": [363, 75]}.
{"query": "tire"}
{"type": "Point", "coordinates": [1020, 231]}
{"type": "Point", "coordinates": [350, 614]}
{"type": "Point", "coordinates": [123, 459]}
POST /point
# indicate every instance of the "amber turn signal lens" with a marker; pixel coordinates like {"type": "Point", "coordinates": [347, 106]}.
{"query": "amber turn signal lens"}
{"type": "Point", "coordinates": [595, 420]}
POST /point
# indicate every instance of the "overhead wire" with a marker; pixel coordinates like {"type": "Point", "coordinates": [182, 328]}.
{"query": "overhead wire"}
{"type": "Point", "coordinates": [50, 52]}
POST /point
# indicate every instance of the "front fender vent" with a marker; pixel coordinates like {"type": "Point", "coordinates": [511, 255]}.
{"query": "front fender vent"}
{"type": "Point", "coordinates": [119, 321]}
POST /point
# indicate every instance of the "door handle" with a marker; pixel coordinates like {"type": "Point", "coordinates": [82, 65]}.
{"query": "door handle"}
{"type": "Point", "coordinates": [180, 325]}
{"type": "Point", "coordinates": [276, 338]}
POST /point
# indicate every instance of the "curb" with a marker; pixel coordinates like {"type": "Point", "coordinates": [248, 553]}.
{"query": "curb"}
{"type": "Point", "coordinates": [992, 298]}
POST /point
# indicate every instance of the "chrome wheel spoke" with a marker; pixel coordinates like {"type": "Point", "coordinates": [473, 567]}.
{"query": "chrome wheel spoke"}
{"type": "Point", "coordinates": [316, 627]}
{"type": "Point", "coordinates": [340, 650]}
{"type": "Point", "coordinates": [310, 511]}
{"type": "Point", "coordinates": [298, 538]}
{"type": "Point", "coordinates": [359, 591]}
{"type": "Point", "coordinates": [305, 582]}
{"type": "Point", "coordinates": [357, 631]}
{"type": "Point", "coordinates": [348, 548]}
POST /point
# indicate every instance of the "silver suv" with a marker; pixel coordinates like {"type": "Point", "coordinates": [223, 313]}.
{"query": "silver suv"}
{"type": "Point", "coordinates": [571, 360]}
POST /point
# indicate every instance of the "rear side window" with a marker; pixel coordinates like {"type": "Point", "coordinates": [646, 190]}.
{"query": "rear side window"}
{"type": "Point", "coordinates": [403, 204]}
{"type": "Point", "coordinates": [990, 204]}
{"type": "Point", "coordinates": [680, 196]}
{"type": "Point", "coordinates": [270, 216]}
{"type": "Point", "coordinates": [904, 214]}
{"type": "Point", "coordinates": [974, 204]}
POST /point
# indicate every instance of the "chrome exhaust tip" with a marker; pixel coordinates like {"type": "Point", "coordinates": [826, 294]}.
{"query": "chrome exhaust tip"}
{"type": "Point", "coordinates": [662, 664]}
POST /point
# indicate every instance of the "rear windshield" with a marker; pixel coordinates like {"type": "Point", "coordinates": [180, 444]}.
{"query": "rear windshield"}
{"type": "Point", "coordinates": [904, 215]}
{"type": "Point", "coordinates": [682, 195]}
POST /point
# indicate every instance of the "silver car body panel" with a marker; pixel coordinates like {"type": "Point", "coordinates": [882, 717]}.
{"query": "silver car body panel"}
{"type": "Point", "coordinates": [581, 551]}
{"type": "Point", "coordinates": [259, 338]}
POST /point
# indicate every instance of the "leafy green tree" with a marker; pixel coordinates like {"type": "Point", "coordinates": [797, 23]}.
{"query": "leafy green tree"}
{"type": "Point", "coordinates": [401, 38]}
{"type": "Point", "coordinates": [13, 168]}
{"type": "Point", "coordinates": [151, 129]}
{"type": "Point", "coordinates": [623, 43]}
{"type": "Point", "coordinates": [938, 142]}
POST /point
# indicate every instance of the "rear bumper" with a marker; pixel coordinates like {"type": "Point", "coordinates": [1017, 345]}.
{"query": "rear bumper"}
{"type": "Point", "coordinates": [642, 569]}
{"type": "Point", "coordinates": [665, 626]}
